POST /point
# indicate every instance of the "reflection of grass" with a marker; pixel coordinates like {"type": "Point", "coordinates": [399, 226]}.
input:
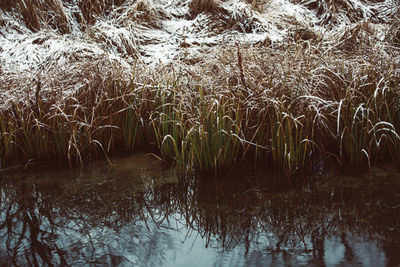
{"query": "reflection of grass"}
{"type": "Point", "coordinates": [228, 213]}
{"type": "Point", "coordinates": [292, 219]}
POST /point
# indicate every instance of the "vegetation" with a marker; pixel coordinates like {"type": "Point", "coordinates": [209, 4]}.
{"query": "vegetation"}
{"type": "Point", "coordinates": [284, 105]}
{"type": "Point", "coordinates": [304, 106]}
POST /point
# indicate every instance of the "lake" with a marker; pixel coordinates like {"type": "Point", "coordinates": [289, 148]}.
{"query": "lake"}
{"type": "Point", "coordinates": [139, 213]}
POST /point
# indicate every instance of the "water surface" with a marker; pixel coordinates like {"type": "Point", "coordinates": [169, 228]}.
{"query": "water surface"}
{"type": "Point", "coordinates": [137, 213]}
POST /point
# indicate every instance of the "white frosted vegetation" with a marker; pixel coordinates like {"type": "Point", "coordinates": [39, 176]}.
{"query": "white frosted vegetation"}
{"type": "Point", "coordinates": [39, 36]}
{"type": "Point", "coordinates": [70, 62]}
{"type": "Point", "coordinates": [165, 31]}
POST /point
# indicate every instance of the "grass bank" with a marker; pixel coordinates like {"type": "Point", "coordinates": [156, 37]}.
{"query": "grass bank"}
{"type": "Point", "coordinates": [252, 105]}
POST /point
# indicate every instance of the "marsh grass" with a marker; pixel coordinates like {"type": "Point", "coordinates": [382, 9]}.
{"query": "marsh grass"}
{"type": "Point", "coordinates": [216, 142]}
{"type": "Point", "coordinates": [284, 120]}
{"type": "Point", "coordinates": [290, 145]}
{"type": "Point", "coordinates": [283, 106]}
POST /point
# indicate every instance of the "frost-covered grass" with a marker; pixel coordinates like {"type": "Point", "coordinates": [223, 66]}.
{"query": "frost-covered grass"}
{"type": "Point", "coordinates": [285, 108]}
{"type": "Point", "coordinates": [284, 103]}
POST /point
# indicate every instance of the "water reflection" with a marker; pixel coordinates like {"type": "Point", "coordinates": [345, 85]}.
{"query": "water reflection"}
{"type": "Point", "coordinates": [139, 214]}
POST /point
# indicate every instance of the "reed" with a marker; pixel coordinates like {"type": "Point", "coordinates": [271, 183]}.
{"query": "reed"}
{"type": "Point", "coordinates": [283, 106]}
{"type": "Point", "coordinates": [215, 140]}
{"type": "Point", "coordinates": [168, 125]}
{"type": "Point", "coordinates": [290, 144]}
{"type": "Point", "coordinates": [354, 124]}
{"type": "Point", "coordinates": [384, 101]}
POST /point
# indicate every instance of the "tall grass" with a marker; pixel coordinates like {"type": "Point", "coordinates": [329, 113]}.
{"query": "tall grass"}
{"type": "Point", "coordinates": [350, 111]}
{"type": "Point", "coordinates": [283, 106]}
{"type": "Point", "coordinates": [290, 144]}
{"type": "Point", "coordinates": [215, 141]}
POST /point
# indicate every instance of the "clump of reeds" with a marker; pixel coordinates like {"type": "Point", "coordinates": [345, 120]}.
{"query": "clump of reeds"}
{"type": "Point", "coordinates": [285, 106]}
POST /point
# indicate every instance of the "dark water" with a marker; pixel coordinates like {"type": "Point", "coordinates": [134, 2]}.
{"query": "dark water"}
{"type": "Point", "coordinates": [139, 214]}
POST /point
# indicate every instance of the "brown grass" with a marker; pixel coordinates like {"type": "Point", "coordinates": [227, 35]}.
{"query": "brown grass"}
{"type": "Point", "coordinates": [198, 6]}
{"type": "Point", "coordinates": [286, 105]}
{"type": "Point", "coordinates": [39, 14]}
{"type": "Point", "coordinates": [91, 8]}
{"type": "Point", "coordinates": [334, 12]}
{"type": "Point", "coordinates": [51, 14]}
{"type": "Point", "coordinates": [296, 103]}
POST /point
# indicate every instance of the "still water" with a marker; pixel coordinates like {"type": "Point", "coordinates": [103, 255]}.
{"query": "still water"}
{"type": "Point", "coordinates": [138, 213]}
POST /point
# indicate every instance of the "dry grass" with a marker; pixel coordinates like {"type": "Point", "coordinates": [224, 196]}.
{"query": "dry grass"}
{"type": "Point", "coordinates": [198, 6]}
{"type": "Point", "coordinates": [91, 8]}
{"type": "Point", "coordinates": [335, 11]}
{"type": "Point", "coordinates": [285, 105]}
{"type": "Point", "coordinates": [51, 14]}
{"type": "Point", "coordinates": [296, 104]}
{"type": "Point", "coordinates": [39, 14]}
{"type": "Point", "coordinates": [393, 35]}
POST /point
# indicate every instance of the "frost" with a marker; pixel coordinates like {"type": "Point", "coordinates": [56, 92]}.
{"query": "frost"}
{"type": "Point", "coordinates": [165, 31]}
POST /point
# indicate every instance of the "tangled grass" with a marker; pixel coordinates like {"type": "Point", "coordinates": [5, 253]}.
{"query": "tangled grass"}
{"type": "Point", "coordinates": [285, 103]}
{"type": "Point", "coordinates": [52, 14]}
{"type": "Point", "coordinates": [285, 107]}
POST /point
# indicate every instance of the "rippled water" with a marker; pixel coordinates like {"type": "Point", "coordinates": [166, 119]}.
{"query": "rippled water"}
{"type": "Point", "coordinates": [137, 213]}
